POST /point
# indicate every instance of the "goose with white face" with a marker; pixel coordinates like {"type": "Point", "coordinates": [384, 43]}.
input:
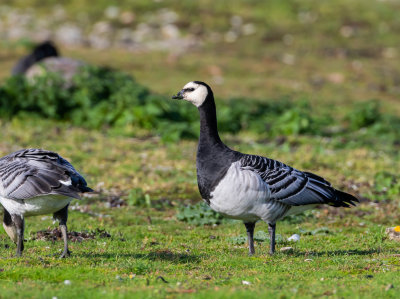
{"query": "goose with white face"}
{"type": "Point", "coordinates": [193, 92]}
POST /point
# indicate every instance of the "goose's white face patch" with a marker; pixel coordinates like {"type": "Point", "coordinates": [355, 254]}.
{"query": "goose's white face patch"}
{"type": "Point", "coordinates": [195, 93]}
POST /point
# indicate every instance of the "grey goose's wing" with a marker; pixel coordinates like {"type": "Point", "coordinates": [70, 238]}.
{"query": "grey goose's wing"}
{"type": "Point", "coordinates": [32, 172]}
{"type": "Point", "coordinates": [294, 187]}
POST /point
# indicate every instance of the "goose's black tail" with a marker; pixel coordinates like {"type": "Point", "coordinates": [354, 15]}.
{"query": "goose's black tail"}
{"type": "Point", "coordinates": [41, 51]}
{"type": "Point", "coordinates": [344, 199]}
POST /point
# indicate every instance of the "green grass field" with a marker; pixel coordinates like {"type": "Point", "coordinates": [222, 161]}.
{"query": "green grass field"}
{"type": "Point", "coordinates": [141, 182]}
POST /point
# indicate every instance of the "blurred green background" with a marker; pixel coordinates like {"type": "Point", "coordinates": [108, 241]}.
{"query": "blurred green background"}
{"type": "Point", "coordinates": [322, 55]}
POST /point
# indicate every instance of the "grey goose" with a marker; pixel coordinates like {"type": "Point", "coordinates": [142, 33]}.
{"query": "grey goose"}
{"type": "Point", "coordinates": [37, 182]}
{"type": "Point", "coordinates": [251, 187]}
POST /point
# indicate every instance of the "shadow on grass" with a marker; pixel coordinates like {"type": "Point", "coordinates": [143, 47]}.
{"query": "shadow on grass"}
{"type": "Point", "coordinates": [164, 255]}
{"type": "Point", "coordinates": [340, 252]}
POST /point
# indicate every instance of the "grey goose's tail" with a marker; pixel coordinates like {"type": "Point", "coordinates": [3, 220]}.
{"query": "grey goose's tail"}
{"type": "Point", "coordinates": [40, 52]}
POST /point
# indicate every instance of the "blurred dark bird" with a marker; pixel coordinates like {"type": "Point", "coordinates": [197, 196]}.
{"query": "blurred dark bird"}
{"type": "Point", "coordinates": [45, 58]}
{"type": "Point", "coordinates": [40, 52]}
{"type": "Point", "coordinates": [37, 182]}
{"type": "Point", "coordinates": [250, 187]}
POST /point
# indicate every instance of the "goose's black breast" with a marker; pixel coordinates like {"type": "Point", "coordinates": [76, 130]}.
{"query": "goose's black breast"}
{"type": "Point", "coordinates": [212, 166]}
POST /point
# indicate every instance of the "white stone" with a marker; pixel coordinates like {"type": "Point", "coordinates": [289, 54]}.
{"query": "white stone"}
{"type": "Point", "coordinates": [288, 59]}
{"type": "Point", "coordinates": [111, 12]}
{"type": "Point", "coordinates": [236, 21]}
{"type": "Point", "coordinates": [170, 31]}
{"type": "Point", "coordinates": [294, 238]}
{"type": "Point", "coordinates": [249, 29]}
{"type": "Point", "coordinates": [286, 249]}
{"type": "Point", "coordinates": [230, 36]}
{"type": "Point", "coordinates": [69, 34]}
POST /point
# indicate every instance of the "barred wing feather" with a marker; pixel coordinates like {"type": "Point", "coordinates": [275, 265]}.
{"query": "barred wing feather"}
{"type": "Point", "coordinates": [32, 172]}
{"type": "Point", "coordinates": [294, 187]}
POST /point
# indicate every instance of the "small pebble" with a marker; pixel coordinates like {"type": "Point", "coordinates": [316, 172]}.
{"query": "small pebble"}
{"type": "Point", "coordinates": [294, 238]}
{"type": "Point", "coordinates": [67, 282]}
{"type": "Point", "coordinates": [245, 282]}
{"type": "Point", "coordinates": [393, 233]}
{"type": "Point", "coordinates": [286, 249]}
{"type": "Point", "coordinates": [389, 286]}
{"type": "Point", "coordinates": [308, 260]}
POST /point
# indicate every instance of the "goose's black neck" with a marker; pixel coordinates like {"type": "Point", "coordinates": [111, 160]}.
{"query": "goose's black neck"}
{"type": "Point", "coordinates": [208, 124]}
{"type": "Point", "coordinates": [213, 157]}
{"type": "Point", "coordinates": [40, 52]}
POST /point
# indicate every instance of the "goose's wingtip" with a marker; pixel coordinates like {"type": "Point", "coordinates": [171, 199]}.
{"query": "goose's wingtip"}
{"type": "Point", "coordinates": [85, 189]}
{"type": "Point", "coordinates": [347, 199]}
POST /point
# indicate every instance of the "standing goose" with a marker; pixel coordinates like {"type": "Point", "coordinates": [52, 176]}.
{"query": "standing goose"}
{"type": "Point", "coordinates": [250, 187]}
{"type": "Point", "coordinates": [37, 182]}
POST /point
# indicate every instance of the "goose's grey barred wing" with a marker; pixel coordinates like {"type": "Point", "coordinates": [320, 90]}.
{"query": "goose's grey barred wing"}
{"type": "Point", "coordinates": [32, 172]}
{"type": "Point", "coordinates": [294, 187]}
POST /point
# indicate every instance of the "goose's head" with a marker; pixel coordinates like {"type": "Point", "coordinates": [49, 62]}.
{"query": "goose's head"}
{"type": "Point", "coordinates": [195, 92]}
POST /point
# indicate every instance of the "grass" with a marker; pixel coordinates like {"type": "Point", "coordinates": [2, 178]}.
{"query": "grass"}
{"type": "Point", "coordinates": [352, 260]}
{"type": "Point", "coordinates": [349, 257]}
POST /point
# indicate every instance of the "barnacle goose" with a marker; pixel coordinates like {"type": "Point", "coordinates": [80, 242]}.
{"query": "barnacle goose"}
{"type": "Point", "coordinates": [37, 182]}
{"type": "Point", "coordinates": [45, 58]}
{"type": "Point", "coordinates": [250, 187]}
{"type": "Point", "coordinates": [39, 53]}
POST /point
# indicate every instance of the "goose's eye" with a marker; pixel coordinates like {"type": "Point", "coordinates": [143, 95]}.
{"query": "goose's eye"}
{"type": "Point", "coordinates": [189, 89]}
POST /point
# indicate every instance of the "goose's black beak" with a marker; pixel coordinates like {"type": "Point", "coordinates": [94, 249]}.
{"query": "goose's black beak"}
{"type": "Point", "coordinates": [178, 96]}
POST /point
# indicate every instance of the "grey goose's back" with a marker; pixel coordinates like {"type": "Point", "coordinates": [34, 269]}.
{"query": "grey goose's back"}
{"type": "Point", "coordinates": [29, 173]}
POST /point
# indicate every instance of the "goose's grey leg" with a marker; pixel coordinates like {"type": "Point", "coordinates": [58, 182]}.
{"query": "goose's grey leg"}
{"type": "Point", "coordinates": [19, 223]}
{"type": "Point", "coordinates": [62, 217]}
{"type": "Point", "coordinates": [250, 232]}
{"type": "Point", "coordinates": [271, 230]}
